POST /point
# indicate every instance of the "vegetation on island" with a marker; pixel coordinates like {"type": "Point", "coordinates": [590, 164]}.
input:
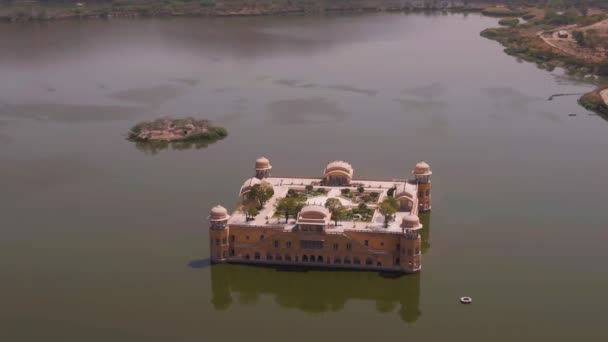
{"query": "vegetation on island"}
{"type": "Point", "coordinates": [167, 129]}
{"type": "Point", "coordinates": [508, 22]}
{"type": "Point", "coordinates": [180, 134]}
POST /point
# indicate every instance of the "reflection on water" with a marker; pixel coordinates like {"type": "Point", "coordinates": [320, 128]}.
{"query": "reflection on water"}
{"type": "Point", "coordinates": [318, 291]}
{"type": "Point", "coordinates": [154, 147]}
{"type": "Point", "coordinates": [315, 291]}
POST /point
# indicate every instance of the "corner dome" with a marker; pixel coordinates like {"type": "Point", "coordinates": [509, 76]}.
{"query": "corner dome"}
{"type": "Point", "coordinates": [410, 221]}
{"type": "Point", "coordinates": [218, 213]}
{"type": "Point", "coordinates": [262, 163]}
{"type": "Point", "coordinates": [422, 168]}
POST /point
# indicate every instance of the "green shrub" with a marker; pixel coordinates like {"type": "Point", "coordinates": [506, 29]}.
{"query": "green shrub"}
{"type": "Point", "coordinates": [511, 22]}
{"type": "Point", "coordinates": [528, 16]}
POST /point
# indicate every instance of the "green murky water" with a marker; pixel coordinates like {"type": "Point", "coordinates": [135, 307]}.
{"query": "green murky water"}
{"type": "Point", "coordinates": [102, 241]}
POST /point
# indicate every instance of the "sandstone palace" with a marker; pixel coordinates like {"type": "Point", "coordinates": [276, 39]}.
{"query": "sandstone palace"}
{"type": "Point", "coordinates": [333, 221]}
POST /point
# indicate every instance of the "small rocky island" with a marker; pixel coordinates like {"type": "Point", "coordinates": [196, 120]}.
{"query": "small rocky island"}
{"type": "Point", "coordinates": [167, 129]}
{"type": "Point", "coordinates": [152, 136]}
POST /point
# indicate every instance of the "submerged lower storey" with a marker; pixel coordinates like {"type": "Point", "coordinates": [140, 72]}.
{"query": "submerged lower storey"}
{"type": "Point", "coordinates": [362, 250]}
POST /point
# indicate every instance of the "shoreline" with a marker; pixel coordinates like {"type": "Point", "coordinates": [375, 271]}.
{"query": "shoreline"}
{"type": "Point", "coordinates": [41, 13]}
{"type": "Point", "coordinates": [523, 41]}
{"type": "Point", "coordinates": [596, 101]}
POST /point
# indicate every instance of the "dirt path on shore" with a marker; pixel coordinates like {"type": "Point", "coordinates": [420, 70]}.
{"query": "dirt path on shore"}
{"type": "Point", "coordinates": [570, 46]}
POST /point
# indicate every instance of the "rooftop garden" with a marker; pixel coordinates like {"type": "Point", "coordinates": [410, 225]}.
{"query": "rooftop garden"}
{"type": "Point", "coordinates": [360, 195]}
{"type": "Point", "coordinates": [309, 191]}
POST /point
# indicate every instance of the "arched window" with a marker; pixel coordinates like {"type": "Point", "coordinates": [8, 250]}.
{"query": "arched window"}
{"type": "Point", "coordinates": [278, 257]}
{"type": "Point", "coordinates": [356, 261]}
{"type": "Point", "coordinates": [379, 264]}
{"type": "Point", "coordinates": [337, 260]}
{"type": "Point", "coordinates": [256, 256]}
{"type": "Point", "coordinates": [287, 257]}
{"type": "Point", "coordinates": [368, 261]}
{"type": "Point", "coordinates": [312, 258]}
{"type": "Point", "coordinates": [247, 257]}
{"type": "Point", "coordinates": [268, 256]}
{"type": "Point", "coordinates": [304, 258]}
{"type": "Point", "coordinates": [320, 259]}
{"type": "Point", "coordinates": [397, 261]}
{"type": "Point", "coordinates": [347, 260]}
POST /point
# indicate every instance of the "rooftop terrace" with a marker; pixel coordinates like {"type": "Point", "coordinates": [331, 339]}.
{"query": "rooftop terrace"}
{"type": "Point", "coordinates": [281, 186]}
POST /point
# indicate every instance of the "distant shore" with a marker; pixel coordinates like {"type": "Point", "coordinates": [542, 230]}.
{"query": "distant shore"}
{"type": "Point", "coordinates": [553, 39]}
{"type": "Point", "coordinates": [530, 39]}
{"type": "Point", "coordinates": [21, 11]}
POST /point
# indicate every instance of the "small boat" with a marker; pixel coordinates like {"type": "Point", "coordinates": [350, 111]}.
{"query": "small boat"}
{"type": "Point", "coordinates": [466, 300]}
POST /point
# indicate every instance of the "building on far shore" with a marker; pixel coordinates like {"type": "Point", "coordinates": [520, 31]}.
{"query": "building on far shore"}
{"type": "Point", "coordinates": [311, 238]}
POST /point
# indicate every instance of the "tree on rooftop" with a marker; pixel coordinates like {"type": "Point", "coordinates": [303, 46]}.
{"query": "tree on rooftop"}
{"type": "Point", "coordinates": [388, 208]}
{"type": "Point", "coordinates": [292, 193]}
{"type": "Point", "coordinates": [361, 189]}
{"type": "Point", "coordinates": [251, 211]}
{"type": "Point", "coordinates": [337, 210]}
{"type": "Point", "coordinates": [309, 187]}
{"type": "Point", "coordinates": [289, 206]}
{"type": "Point", "coordinates": [261, 193]}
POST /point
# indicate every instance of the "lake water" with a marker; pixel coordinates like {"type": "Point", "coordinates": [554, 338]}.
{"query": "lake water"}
{"type": "Point", "coordinates": [103, 241]}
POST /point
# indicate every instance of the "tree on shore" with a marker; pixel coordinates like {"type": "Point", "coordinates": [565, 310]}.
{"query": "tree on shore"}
{"type": "Point", "coordinates": [388, 208]}
{"type": "Point", "coordinates": [337, 210]}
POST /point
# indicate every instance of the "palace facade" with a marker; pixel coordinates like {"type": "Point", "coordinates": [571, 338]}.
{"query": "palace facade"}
{"type": "Point", "coordinates": [360, 239]}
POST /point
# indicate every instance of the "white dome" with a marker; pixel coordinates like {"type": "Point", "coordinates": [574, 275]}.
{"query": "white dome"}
{"type": "Point", "coordinates": [218, 213]}
{"type": "Point", "coordinates": [410, 221]}
{"type": "Point", "coordinates": [339, 165]}
{"type": "Point", "coordinates": [422, 168]}
{"type": "Point", "coordinates": [262, 164]}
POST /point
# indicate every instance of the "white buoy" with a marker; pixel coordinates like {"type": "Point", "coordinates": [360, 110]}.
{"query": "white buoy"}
{"type": "Point", "coordinates": [466, 300]}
